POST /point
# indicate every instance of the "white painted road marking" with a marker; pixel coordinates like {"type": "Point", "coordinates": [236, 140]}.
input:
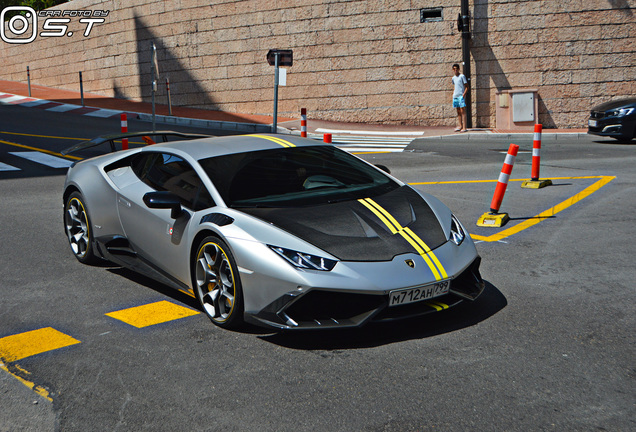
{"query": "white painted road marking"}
{"type": "Point", "coordinates": [5, 167]}
{"type": "Point", "coordinates": [44, 159]}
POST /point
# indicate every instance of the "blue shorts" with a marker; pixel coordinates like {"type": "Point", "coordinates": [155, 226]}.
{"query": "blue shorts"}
{"type": "Point", "coordinates": [459, 102]}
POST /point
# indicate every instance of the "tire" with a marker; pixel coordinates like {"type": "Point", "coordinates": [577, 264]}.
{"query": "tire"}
{"type": "Point", "coordinates": [78, 230]}
{"type": "Point", "coordinates": [217, 284]}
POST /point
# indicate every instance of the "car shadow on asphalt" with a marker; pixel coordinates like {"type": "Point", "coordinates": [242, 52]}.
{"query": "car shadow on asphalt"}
{"type": "Point", "coordinates": [616, 141]}
{"type": "Point", "coordinates": [159, 287]}
{"type": "Point", "coordinates": [467, 314]}
{"type": "Point", "coordinates": [462, 316]}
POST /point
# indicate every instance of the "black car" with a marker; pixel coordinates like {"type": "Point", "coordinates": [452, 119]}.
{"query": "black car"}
{"type": "Point", "coordinates": [616, 119]}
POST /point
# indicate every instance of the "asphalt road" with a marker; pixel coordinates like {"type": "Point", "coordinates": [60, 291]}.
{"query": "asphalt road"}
{"type": "Point", "coordinates": [549, 346]}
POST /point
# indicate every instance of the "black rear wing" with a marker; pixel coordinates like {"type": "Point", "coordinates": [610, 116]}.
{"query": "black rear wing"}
{"type": "Point", "coordinates": [146, 136]}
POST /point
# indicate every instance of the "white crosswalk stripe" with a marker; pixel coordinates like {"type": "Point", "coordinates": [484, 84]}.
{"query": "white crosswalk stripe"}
{"type": "Point", "coordinates": [5, 167]}
{"type": "Point", "coordinates": [374, 149]}
{"type": "Point", "coordinates": [64, 108]}
{"type": "Point", "coordinates": [369, 144]}
{"type": "Point", "coordinates": [44, 159]}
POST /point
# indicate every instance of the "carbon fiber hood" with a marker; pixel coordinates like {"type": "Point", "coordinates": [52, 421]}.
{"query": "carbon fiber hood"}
{"type": "Point", "coordinates": [353, 231]}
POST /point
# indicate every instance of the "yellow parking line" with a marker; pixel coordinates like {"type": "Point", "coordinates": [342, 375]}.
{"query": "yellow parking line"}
{"type": "Point", "coordinates": [43, 136]}
{"type": "Point", "coordinates": [603, 180]}
{"type": "Point", "coordinates": [151, 314]}
{"type": "Point", "coordinates": [40, 150]}
{"type": "Point", "coordinates": [36, 388]}
{"type": "Point", "coordinates": [33, 342]}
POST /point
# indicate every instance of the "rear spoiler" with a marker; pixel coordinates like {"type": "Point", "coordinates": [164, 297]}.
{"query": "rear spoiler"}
{"type": "Point", "coordinates": [110, 139]}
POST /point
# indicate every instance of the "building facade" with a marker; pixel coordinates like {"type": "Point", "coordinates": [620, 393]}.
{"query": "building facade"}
{"type": "Point", "coordinates": [378, 61]}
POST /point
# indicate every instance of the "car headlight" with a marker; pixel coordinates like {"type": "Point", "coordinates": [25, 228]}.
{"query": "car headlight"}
{"type": "Point", "coordinates": [621, 112]}
{"type": "Point", "coordinates": [303, 260]}
{"type": "Point", "coordinates": [457, 232]}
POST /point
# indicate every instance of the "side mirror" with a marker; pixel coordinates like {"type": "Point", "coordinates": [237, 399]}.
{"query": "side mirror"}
{"type": "Point", "coordinates": [384, 168]}
{"type": "Point", "coordinates": [164, 200]}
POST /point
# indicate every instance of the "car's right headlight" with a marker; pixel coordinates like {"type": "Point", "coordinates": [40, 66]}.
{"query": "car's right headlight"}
{"type": "Point", "coordinates": [304, 261]}
{"type": "Point", "coordinates": [457, 234]}
{"type": "Point", "coordinates": [621, 112]}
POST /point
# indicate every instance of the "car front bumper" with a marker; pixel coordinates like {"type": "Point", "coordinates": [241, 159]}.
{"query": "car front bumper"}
{"type": "Point", "coordinates": [319, 308]}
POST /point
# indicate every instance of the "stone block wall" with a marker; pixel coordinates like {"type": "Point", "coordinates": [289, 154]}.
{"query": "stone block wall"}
{"type": "Point", "coordinates": [354, 60]}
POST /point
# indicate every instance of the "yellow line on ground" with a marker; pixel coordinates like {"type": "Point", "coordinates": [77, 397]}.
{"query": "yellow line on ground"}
{"type": "Point", "coordinates": [496, 180]}
{"type": "Point", "coordinates": [603, 180]}
{"type": "Point", "coordinates": [151, 314]}
{"type": "Point", "coordinates": [36, 388]}
{"type": "Point", "coordinates": [19, 346]}
{"type": "Point", "coordinates": [553, 210]}
{"type": "Point", "coordinates": [40, 150]}
{"type": "Point", "coordinates": [43, 136]}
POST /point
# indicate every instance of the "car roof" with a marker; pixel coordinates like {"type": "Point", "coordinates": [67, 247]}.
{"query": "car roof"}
{"type": "Point", "coordinates": [219, 146]}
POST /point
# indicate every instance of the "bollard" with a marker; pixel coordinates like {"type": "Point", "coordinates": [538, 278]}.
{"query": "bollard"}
{"type": "Point", "coordinates": [327, 138]}
{"type": "Point", "coordinates": [494, 218]}
{"type": "Point", "coordinates": [81, 88]}
{"type": "Point", "coordinates": [534, 182]}
{"type": "Point", "coordinates": [124, 129]}
{"type": "Point", "coordinates": [29, 80]}
{"type": "Point", "coordinates": [303, 122]}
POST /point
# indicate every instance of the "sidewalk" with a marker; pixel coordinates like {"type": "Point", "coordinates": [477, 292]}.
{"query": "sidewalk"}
{"type": "Point", "coordinates": [96, 105]}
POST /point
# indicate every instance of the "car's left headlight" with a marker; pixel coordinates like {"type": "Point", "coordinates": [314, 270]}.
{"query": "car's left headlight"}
{"type": "Point", "coordinates": [621, 112]}
{"type": "Point", "coordinates": [457, 234]}
{"type": "Point", "coordinates": [303, 260]}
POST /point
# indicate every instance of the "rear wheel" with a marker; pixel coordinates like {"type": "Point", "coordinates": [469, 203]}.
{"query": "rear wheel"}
{"type": "Point", "coordinates": [217, 284]}
{"type": "Point", "coordinates": [78, 229]}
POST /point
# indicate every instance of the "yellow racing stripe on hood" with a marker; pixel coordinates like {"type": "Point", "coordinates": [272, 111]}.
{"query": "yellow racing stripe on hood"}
{"type": "Point", "coordinates": [277, 140]}
{"type": "Point", "coordinates": [414, 240]}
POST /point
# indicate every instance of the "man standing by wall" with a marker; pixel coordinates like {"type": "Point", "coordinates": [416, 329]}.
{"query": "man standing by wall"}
{"type": "Point", "coordinates": [459, 101]}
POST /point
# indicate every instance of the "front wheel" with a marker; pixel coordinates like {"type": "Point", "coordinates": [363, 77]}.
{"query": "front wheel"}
{"type": "Point", "coordinates": [217, 284]}
{"type": "Point", "coordinates": [78, 229]}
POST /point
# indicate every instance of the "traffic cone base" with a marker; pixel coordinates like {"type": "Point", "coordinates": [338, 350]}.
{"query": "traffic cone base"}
{"type": "Point", "coordinates": [493, 220]}
{"type": "Point", "coordinates": [536, 184]}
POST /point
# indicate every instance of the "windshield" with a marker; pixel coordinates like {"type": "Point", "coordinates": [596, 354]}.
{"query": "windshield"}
{"type": "Point", "coordinates": [297, 176]}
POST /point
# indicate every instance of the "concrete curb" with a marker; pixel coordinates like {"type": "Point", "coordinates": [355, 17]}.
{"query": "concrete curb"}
{"type": "Point", "coordinates": [489, 136]}
{"type": "Point", "coordinates": [206, 124]}
{"type": "Point", "coordinates": [496, 137]}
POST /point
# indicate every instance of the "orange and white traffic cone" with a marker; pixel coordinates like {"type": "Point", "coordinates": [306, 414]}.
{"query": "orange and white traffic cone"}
{"type": "Point", "coordinates": [494, 218]}
{"type": "Point", "coordinates": [534, 182]}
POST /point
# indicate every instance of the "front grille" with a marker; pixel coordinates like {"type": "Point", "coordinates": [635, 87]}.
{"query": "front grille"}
{"type": "Point", "coordinates": [334, 306]}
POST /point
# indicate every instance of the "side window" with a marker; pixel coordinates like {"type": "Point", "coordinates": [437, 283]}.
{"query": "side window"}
{"type": "Point", "coordinates": [167, 172]}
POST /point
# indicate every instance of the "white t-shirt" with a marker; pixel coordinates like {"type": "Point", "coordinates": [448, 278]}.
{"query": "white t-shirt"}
{"type": "Point", "coordinates": [460, 82]}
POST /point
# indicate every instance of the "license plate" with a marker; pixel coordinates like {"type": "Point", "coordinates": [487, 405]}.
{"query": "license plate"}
{"type": "Point", "coordinates": [592, 123]}
{"type": "Point", "coordinates": [413, 295]}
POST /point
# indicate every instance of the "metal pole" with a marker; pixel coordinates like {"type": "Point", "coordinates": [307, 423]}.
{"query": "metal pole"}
{"type": "Point", "coordinates": [81, 88]}
{"type": "Point", "coordinates": [466, 60]}
{"type": "Point", "coordinates": [169, 98]}
{"type": "Point", "coordinates": [275, 123]}
{"type": "Point", "coordinates": [154, 84]}
{"type": "Point", "coordinates": [29, 80]}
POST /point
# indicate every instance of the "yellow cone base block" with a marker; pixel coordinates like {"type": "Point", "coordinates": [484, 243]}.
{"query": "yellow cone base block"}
{"type": "Point", "coordinates": [536, 184]}
{"type": "Point", "coordinates": [494, 220]}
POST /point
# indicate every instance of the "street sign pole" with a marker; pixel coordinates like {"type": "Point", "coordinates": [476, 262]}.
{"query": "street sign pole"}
{"type": "Point", "coordinates": [465, 29]}
{"type": "Point", "coordinates": [276, 76]}
{"type": "Point", "coordinates": [278, 58]}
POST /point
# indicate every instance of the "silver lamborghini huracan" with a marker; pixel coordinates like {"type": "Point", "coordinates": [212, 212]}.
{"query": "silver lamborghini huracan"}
{"type": "Point", "coordinates": [279, 231]}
